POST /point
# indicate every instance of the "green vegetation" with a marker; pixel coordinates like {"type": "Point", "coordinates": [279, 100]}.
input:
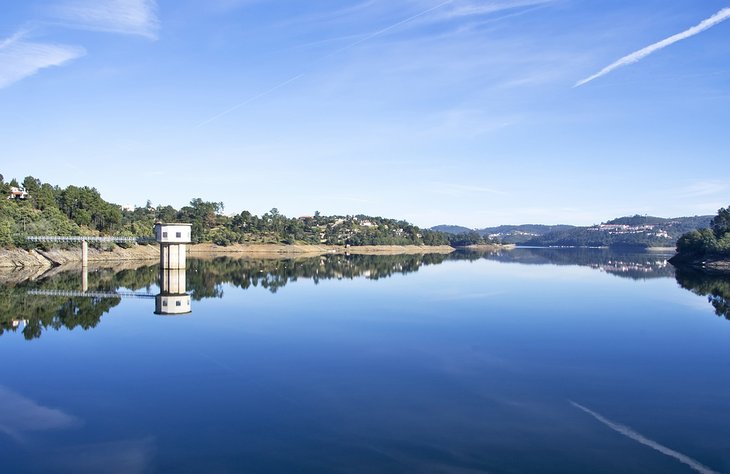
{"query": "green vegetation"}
{"type": "Point", "coordinates": [632, 231]}
{"type": "Point", "coordinates": [713, 242]}
{"type": "Point", "coordinates": [51, 210]}
{"type": "Point", "coordinates": [505, 234]}
{"type": "Point", "coordinates": [205, 279]}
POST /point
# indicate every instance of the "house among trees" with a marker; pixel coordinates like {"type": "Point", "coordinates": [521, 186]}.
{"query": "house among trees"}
{"type": "Point", "coordinates": [17, 193]}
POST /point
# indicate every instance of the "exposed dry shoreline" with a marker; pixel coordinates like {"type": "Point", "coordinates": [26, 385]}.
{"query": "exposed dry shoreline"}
{"type": "Point", "coordinates": [17, 258]}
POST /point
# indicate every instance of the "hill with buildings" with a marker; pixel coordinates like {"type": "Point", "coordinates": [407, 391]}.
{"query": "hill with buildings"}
{"type": "Point", "coordinates": [32, 207]}
{"type": "Point", "coordinates": [632, 231]}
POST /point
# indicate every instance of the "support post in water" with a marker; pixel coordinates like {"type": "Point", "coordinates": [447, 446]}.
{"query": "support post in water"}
{"type": "Point", "coordinates": [84, 253]}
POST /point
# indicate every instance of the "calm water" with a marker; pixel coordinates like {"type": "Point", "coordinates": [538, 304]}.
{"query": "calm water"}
{"type": "Point", "coordinates": [528, 361]}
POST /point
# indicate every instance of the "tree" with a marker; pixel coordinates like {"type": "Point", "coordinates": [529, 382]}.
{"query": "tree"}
{"type": "Point", "coordinates": [31, 185]}
{"type": "Point", "coordinates": [720, 224]}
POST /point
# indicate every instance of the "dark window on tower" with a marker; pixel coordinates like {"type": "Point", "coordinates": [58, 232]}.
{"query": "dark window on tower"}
{"type": "Point", "coordinates": [178, 234]}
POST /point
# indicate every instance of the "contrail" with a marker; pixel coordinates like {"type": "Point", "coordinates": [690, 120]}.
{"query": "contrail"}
{"type": "Point", "coordinates": [250, 99]}
{"type": "Point", "coordinates": [629, 433]}
{"type": "Point", "coordinates": [338, 51]}
{"type": "Point", "coordinates": [715, 19]}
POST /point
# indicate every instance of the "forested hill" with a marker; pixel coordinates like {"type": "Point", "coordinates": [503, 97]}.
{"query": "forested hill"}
{"type": "Point", "coordinates": [519, 234]}
{"type": "Point", "coordinates": [32, 207]}
{"type": "Point", "coordinates": [508, 234]}
{"type": "Point", "coordinates": [452, 229]}
{"type": "Point", "coordinates": [635, 231]}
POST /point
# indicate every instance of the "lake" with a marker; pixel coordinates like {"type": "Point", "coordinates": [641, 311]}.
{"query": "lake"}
{"type": "Point", "coordinates": [532, 360]}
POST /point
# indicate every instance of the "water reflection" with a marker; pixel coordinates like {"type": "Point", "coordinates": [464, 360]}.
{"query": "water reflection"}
{"type": "Point", "coordinates": [713, 285]}
{"type": "Point", "coordinates": [633, 265]}
{"type": "Point", "coordinates": [207, 277]}
{"type": "Point", "coordinates": [63, 297]}
{"type": "Point", "coordinates": [173, 298]}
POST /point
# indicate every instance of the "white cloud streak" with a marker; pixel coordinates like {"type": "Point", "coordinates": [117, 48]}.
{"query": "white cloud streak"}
{"type": "Point", "coordinates": [636, 56]}
{"type": "Point", "coordinates": [338, 51]}
{"type": "Point", "coordinates": [132, 17]}
{"type": "Point", "coordinates": [487, 8]}
{"type": "Point", "coordinates": [704, 188]}
{"type": "Point", "coordinates": [455, 189]}
{"type": "Point", "coordinates": [20, 59]}
{"type": "Point", "coordinates": [639, 438]}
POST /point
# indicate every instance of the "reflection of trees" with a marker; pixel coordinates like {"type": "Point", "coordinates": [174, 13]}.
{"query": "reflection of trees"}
{"type": "Point", "coordinates": [637, 266]}
{"type": "Point", "coordinates": [84, 313]}
{"type": "Point", "coordinates": [206, 277]}
{"type": "Point", "coordinates": [40, 313]}
{"type": "Point", "coordinates": [715, 286]}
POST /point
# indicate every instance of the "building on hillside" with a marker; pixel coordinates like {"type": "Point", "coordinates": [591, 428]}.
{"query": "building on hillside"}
{"type": "Point", "coordinates": [17, 193]}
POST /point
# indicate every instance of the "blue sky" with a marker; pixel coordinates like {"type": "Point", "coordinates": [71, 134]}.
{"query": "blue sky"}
{"type": "Point", "coordinates": [462, 112]}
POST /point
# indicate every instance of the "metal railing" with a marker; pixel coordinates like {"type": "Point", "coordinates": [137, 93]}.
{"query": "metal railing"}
{"type": "Point", "coordinates": [89, 294]}
{"type": "Point", "coordinates": [81, 238]}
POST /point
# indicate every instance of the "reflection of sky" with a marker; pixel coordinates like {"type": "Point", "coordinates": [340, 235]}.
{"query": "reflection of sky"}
{"type": "Point", "coordinates": [399, 374]}
{"type": "Point", "coordinates": [19, 415]}
{"type": "Point", "coordinates": [24, 420]}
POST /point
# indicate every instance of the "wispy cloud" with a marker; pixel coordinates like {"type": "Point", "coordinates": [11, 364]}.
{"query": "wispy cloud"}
{"type": "Point", "coordinates": [639, 438]}
{"type": "Point", "coordinates": [636, 56]}
{"type": "Point", "coordinates": [349, 46]}
{"type": "Point", "coordinates": [462, 9]}
{"type": "Point", "coordinates": [20, 59]}
{"type": "Point", "coordinates": [456, 189]}
{"type": "Point", "coordinates": [704, 188]}
{"type": "Point", "coordinates": [133, 17]}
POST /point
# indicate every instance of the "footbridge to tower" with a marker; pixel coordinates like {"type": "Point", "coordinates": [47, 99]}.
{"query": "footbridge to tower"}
{"type": "Point", "coordinates": [173, 238]}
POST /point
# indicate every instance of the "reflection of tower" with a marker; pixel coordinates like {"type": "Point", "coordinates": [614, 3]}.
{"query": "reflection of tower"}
{"type": "Point", "coordinates": [173, 298]}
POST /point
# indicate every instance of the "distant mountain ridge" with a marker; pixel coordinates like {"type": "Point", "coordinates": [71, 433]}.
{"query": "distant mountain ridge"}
{"type": "Point", "coordinates": [451, 229]}
{"type": "Point", "coordinates": [634, 231]}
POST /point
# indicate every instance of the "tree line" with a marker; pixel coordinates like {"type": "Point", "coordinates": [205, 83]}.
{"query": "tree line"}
{"type": "Point", "coordinates": [74, 210]}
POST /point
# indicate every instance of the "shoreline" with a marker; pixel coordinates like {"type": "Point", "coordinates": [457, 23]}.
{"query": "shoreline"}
{"type": "Point", "coordinates": [703, 264]}
{"type": "Point", "coordinates": [20, 258]}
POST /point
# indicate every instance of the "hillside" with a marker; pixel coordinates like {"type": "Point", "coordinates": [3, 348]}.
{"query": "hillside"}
{"type": "Point", "coordinates": [519, 234]}
{"type": "Point", "coordinates": [507, 234]}
{"type": "Point", "coordinates": [633, 231]}
{"type": "Point", "coordinates": [32, 207]}
{"type": "Point", "coordinates": [451, 229]}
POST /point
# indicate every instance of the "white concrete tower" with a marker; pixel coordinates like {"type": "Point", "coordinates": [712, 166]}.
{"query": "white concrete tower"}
{"type": "Point", "coordinates": [172, 239]}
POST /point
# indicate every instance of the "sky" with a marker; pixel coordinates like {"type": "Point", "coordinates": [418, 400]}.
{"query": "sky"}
{"type": "Point", "coordinates": [467, 112]}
